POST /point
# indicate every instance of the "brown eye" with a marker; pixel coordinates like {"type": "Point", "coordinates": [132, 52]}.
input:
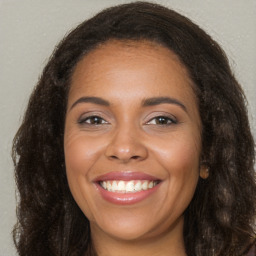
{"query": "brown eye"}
{"type": "Point", "coordinates": [162, 120]}
{"type": "Point", "coordinates": [93, 120]}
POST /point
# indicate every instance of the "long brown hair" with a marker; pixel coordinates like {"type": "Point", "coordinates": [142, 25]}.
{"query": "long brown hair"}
{"type": "Point", "coordinates": [220, 219]}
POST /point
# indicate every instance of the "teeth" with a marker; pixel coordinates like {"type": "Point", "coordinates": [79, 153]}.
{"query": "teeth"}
{"type": "Point", "coordinates": [109, 186]}
{"type": "Point", "coordinates": [133, 186]}
{"type": "Point", "coordinates": [121, 186]}
{"type": "Point", "coordinates": [129, 186]}
{"type": "Point", "coordinates": [137, 186]}
{"type": "Point", "coordinates": [114, 186]}
{"type": "Point", "coordinates": [104, 184]}
{"type": "Point", "coordinates": [145, 185]}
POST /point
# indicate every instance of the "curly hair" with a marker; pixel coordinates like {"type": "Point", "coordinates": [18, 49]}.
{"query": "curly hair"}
{"type": "Point", "coordinates": [220, 219]}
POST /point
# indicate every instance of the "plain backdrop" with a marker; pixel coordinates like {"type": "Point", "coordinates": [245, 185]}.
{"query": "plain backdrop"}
{"type": "Point", "coordinates": [29, 30]}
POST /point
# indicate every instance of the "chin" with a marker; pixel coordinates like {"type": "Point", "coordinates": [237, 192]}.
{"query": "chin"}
{"type": "Point", "coordinates": [131, 228]}
{"type": "Point", "coordinates": [125, 232]}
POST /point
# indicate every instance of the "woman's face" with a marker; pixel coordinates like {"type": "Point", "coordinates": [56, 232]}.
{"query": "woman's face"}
{"type": "Point", "coordinates": [132, 140]}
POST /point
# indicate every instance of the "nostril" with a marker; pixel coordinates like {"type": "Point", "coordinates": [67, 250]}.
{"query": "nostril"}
{"type": "Point", "coordinates": [124, 151]}
{"type": "Point", "coordinates": [114, 157]}
{"type": "Point", "coordinates": [133, 157]}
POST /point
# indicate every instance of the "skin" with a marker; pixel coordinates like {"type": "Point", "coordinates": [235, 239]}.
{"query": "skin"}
{"type": "Point", "coordinates": [129, 137]}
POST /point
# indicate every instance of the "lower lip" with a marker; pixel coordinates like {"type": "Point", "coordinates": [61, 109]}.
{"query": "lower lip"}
{"type": "Point", "coordinates": [126, 198]}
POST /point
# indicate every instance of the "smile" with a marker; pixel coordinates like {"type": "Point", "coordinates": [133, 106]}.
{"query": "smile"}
{"type": "Point", "coordinates": [126, 188]}
{"type": "Point", "coordinates": [132, 186]}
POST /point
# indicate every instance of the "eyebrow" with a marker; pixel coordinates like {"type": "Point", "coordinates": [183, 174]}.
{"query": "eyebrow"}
{"type": "Point", "coordinates": [95, 100]}
{"type": "Point", "coordinates": [146, 103]}
{"type": "Point", "coordinates": [163, 100]}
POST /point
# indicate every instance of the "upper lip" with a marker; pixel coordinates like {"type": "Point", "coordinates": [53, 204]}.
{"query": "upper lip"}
{"type": "Point", "coordinates": [126, 176]}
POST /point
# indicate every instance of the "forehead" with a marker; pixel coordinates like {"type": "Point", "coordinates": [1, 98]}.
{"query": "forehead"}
{"type": "Point", "coordinates": [127, 73]}
{"type": "Point", "coordinates": [131, 62]}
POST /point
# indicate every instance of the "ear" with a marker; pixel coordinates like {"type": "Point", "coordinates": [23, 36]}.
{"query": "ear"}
{"type": "Point", "coordinates": [204, 171]}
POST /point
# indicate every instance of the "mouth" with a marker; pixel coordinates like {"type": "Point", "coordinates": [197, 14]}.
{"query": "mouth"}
{"type": "Point", "coordinates": [132, 186]}
{"type": "Point", "coordinates": [126, 188]}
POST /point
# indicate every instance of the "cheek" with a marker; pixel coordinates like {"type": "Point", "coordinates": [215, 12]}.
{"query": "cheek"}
{"type": "Point", "coordinates": [80, 152]}
{"type": "Point", "coordinates": [184, 173]}
{"type": "Point", "coordinates": [180, 159]}
{"type": "Point", "coordinates": [80, 155]}
{"type": "Point", "coordinates": [181, 152]}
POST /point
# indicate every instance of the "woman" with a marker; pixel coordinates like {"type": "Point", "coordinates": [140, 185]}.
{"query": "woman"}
{"type": "Point", "coordinates": [136, 141]}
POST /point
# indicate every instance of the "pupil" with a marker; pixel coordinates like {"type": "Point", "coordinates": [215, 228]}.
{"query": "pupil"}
{"type": "Point", "coordinates": [162, 120]}
{"type": "Point", "coordinates": [96, 120]}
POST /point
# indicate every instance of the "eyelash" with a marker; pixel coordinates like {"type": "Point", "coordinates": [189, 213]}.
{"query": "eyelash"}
{"type": "Point", "coordinates": [159, 120]}
{"type": "Point", "coordinates": [167, 119]}
{"type": "Point", "coordinates": [95, 117]}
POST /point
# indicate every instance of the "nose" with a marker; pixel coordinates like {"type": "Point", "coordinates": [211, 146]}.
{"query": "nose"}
{"type": "Point", "coordinates": [126, 146]}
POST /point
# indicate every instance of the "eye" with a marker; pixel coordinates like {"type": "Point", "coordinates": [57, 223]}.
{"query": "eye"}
{"type": "Point", "coordinates": [92, 120]}
{"type": "Point", "coordinates": [162, 120]}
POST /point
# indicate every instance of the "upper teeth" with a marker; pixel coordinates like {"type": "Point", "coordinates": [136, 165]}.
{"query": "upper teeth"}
{"type": "Point", "coordinates": [127, 186]}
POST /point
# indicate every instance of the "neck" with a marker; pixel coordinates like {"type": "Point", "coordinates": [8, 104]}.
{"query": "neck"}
{"type": "Point", "coordinates": [166, 244]}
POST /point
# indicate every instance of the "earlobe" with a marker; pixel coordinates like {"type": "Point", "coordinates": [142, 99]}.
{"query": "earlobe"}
{"type": "Point", "coordinates": [204, 171]}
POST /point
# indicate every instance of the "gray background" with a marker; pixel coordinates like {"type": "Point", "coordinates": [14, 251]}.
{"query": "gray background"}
{"type": "Point", "coordinates": [29, 30]}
